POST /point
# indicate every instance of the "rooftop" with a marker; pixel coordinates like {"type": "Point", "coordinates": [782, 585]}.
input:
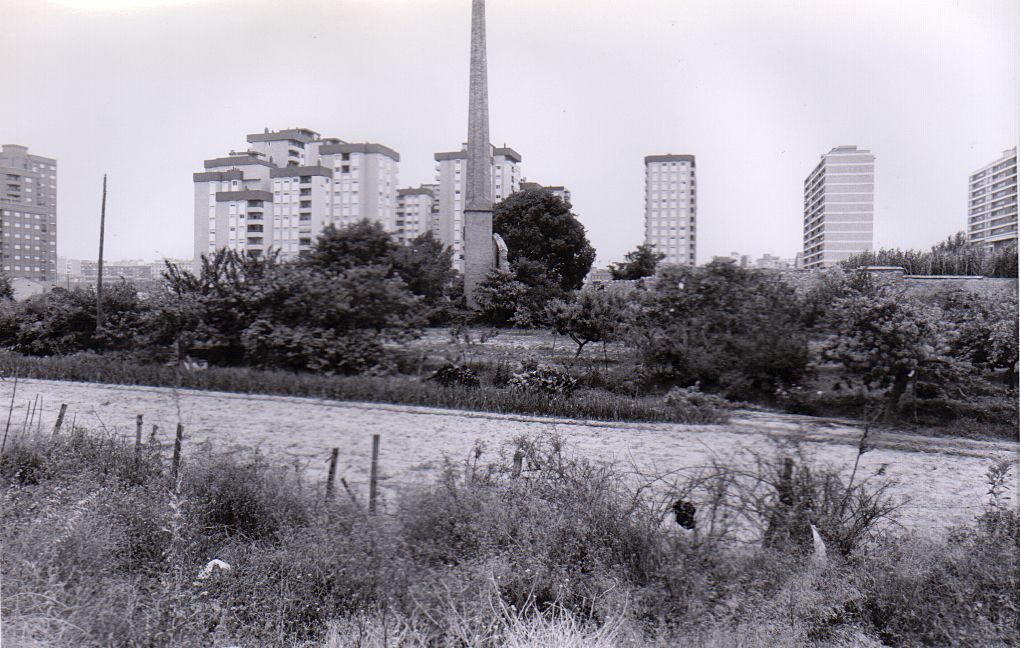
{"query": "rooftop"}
{"type": "Point", "coordinates": [669, 157]}
{"type": "Point", "coordinates": [300, 134]}
{"type": "Point", "coordinates": [362, 147]}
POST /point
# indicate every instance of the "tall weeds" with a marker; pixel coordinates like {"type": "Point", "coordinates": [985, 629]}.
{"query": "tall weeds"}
{"type": "Point", "coordinates": [531, 545]}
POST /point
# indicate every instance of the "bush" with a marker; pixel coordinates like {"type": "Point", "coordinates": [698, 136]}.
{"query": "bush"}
{"type": "Point", "coordinates": [251, 498]}
{"type": "Point", "coordinates": [886, 342]}
{"type": "Point", "coordinates": [962, 593]}
{"type": "Point", "coordinates": [450, 375]}
{"type": "Point", "coordinates": [530, 542]}
{"type": "Point", "coordinates": [985, 331]}
{"type": "Point", "coordinates": [504, 299]}
{"type": "Point", "coordinates": [730, 329]}
{"type": "Point", "coordinates": [546, 380]}
{"type": "Point", "coordinates": [683, 397]}
{"type": "Point", "coordinates": [6, 289]}
{"type": "Point", "coordinates": [64, 321]}
{"type": "Point", "coordinates": [594, 316]}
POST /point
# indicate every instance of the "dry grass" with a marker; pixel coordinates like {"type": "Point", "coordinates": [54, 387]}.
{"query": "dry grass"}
{"type": "Point", "coordinates": [102, 548]}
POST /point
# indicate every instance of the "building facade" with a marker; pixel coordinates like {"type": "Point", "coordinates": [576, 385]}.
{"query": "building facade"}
{"type": "Point", "coordinates": [28, 215]}
{"type": "Point", "coordinates": [451, 178]}
{"type": "Point", "coordinates": [839, 207]}
{"type": "Point", "coordinates": [286, 187]}
{"type": "Point", "coordinates": [414, 212]}
{"type": "Point", "coordinates": [671, 207]}
{"type": "Point", "coordinates": [991, 203]}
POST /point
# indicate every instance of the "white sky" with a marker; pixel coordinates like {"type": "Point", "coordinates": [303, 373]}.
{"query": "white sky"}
{"type": "Point", "coordinates": [144, 90]}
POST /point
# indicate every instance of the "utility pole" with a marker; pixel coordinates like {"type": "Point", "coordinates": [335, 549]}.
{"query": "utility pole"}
{"type": "Point", "coordinates": [99, 276]}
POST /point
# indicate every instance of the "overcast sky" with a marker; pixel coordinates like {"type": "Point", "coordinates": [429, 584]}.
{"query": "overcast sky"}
{"type": "Point", "coordinates": [144, 90]}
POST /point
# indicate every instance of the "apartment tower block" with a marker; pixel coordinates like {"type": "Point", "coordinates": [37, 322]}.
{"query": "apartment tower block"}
{"type": "Point", "coordinates": [451, 194]}
{"type": "Point", "coordinates": [286, 187]}
{"type": "Point", "coordinates": [839, 207]}
{"type": "Point", "coordinates": [671, 207]}
{"type": "Point", "coordinates": [28, 214]}
{"type": "Point", "coordinates": [991, 203]}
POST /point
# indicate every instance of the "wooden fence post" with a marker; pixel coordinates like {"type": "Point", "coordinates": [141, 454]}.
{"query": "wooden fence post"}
{"type": "Point", "coordinates": [33, 406]}
{"type": "Point", "coordinates": [178, 440]}
{"type": "Point", "coordinates": [10, 411]}
{"type": "Point", "coordinates": [373, 477]}
{"type": "Point", "coordinates": [334, 455]}
{"type": "Point", "coordinates": [138, 434]}
{"type": "Point", "coordinates": [60, 419]}
{"type": "Point", "coordinates": [28, 410]}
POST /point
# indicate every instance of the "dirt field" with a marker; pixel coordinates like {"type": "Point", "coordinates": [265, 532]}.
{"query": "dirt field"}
{"type": "Point", "coordinates": [943, 478]}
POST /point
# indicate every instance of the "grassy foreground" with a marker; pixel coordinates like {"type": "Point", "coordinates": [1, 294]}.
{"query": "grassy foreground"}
{"type": "Point", "coordinates": [590, 404]}
{"type": "Point", "coordinates": [102, 547]}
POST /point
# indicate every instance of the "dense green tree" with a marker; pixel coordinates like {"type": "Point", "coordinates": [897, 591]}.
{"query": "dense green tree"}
{"type": "Point", "coordinates": [330, 321]}
{"type": "Point", "coordinates": [987, 330]}
{"type": "Point", "coordinates": [594, 316]}
{"type": "Point", "coordinates": [364, 243]}
{"type": "Point", "coordinates": [64, 321]}
{"type": "Point", "coordinates": [723, 326]}
{"type": "Point", "coordinates": [203, 315]}
{"type": "Point", "coordinates": [886, 342]}
{"type": "Point", "coordinates": [639, 264]}
{"type": "Point", "coordinates": [503, 300]}
{"type": "Point", "coordinates": [426, 267]}
{"type": "Point", "coordinates": [6, 289]}
{"type": "Point", "coordinates": [539, 227]}
{"type": "Point", "coordinates": [954, 256]}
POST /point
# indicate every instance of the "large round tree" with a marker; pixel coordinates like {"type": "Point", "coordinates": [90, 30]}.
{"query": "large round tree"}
{"type": "Point", "coordinates": [541, 232]}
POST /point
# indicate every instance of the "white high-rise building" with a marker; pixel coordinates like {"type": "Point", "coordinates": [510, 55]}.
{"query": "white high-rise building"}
{"type": "Point", "coordinates": [671, 207]}
{"type": "Point", "coordinates": [451, 175]}
{"type": "Point", "coordinates": [839, 207]}
{"type": "Point", "coordinates": [287, 187]}
{"type": "Point", "coordinates": [28, 215]}
{"type": "Point", "coordinates": [414, 212]}
{"type": "Point", "coordinates": [991, 203]}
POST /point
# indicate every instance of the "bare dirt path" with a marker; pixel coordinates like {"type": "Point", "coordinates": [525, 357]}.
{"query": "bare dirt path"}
{"type": "Point", "coordinates": [944, 478]}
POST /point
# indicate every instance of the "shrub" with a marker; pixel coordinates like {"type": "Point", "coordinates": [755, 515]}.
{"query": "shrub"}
{"type": "Point", "coordinates": [6, 289]}
{"type": "Point", "coordinates": [962, 593]}
{"type": "Point", "coordinates": [730, 329]}
{"type": "Point", "coordinates": [252, 499]}
{"type": "Point", "coordinates": [547, 380]}
{"type": "Point", "coordinates": [504, 299]}
{"type": "Point", "coordinates": [774, 500]}
{"type": "Point", "coordinates": [639, 264]}
{"type": "Point", "coordinates": [985, 331]}
{"type": "Point", "coordinates": [885, 342]}
{"type": "Point", "coordinates": [64, 321]}
{"type": "Point", "coordinates": [450, 375]}
{"type": "Point", "coordinates": [532, 538]}
{"type": "Point", "coordinates": [594, 316]}
{"type": "Point", "coordinates": [682, 397]}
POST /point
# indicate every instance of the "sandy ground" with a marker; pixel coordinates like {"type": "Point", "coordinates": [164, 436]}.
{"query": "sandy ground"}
{"type": "Point", "coordinates": [942, 479]}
